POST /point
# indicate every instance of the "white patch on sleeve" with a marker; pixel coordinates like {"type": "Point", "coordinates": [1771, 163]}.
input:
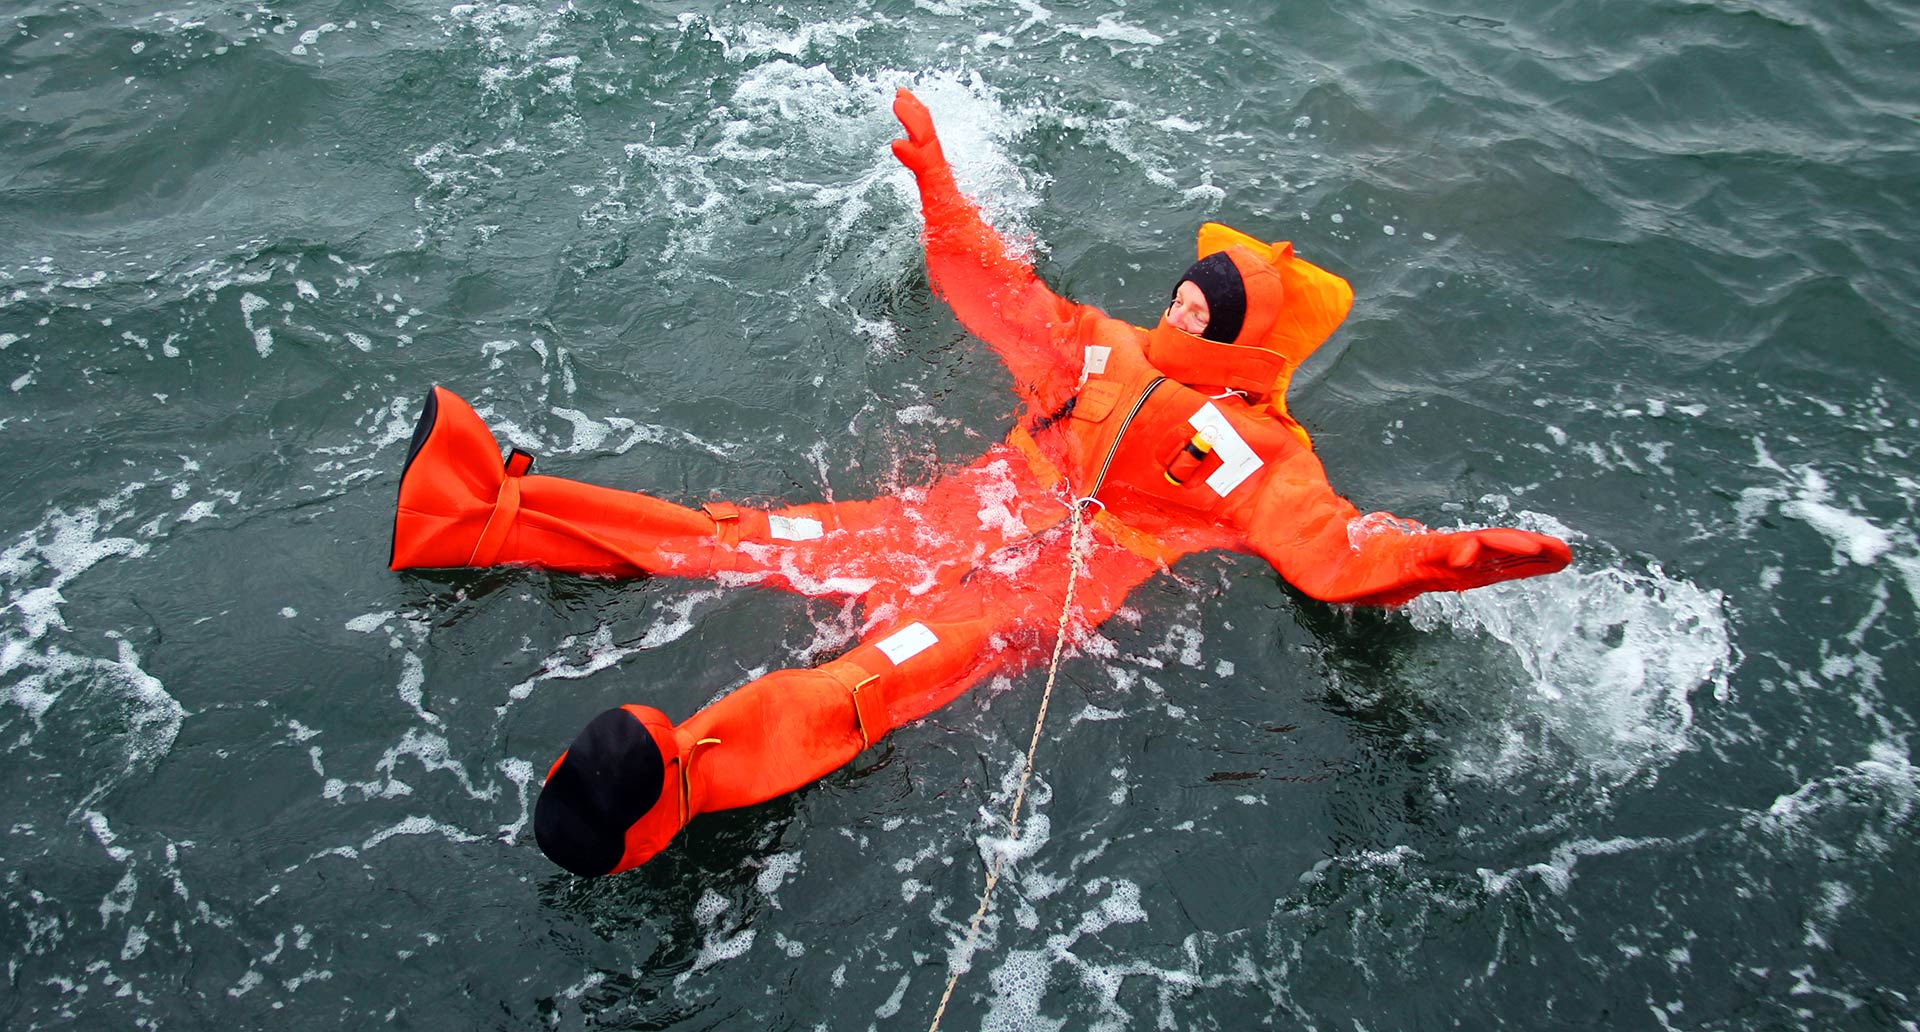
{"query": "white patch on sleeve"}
{"type": "Point", "coordinates": [794, 528]}
{"type": "Point", "coordinates": [1238, 460]}
{"type": "Point", "coordinates": [906, 643]}
{"type": "Point", "coordinates": [1095, 363]}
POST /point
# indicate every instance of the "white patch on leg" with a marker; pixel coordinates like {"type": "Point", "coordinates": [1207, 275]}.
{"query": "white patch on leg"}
{"type": "Point", "coordinates": [907, 642]}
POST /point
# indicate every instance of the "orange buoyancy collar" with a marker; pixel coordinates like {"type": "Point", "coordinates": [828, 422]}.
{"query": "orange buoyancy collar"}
{"type": "Point", "coordinates": [1293, 306]}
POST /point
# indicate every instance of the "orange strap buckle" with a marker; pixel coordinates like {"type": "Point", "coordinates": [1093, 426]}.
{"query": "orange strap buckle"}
{"type": "Point", "coordinates": [506, 509]}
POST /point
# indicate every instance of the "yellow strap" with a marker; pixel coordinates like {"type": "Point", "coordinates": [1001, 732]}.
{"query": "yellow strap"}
{"type": "Point", "coordinates": [1029, 449]}
{"type": "Point", "coordinates": [686, 788]}
{"type": "Point", "coordinates": [727, 525]}
{"type": "Point", "coordinates": [859, 705]}
{"type": "Point", "coordinates": [1138, 542]}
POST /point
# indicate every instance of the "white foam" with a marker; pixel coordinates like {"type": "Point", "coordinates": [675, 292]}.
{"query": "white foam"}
{"type": "Point", "coordinates": [522, 774]}
{"type": "Point", "coordinates": [1204, 194]}
{"type": "Point", "coordinates": [648, 433]}
{"type": "Point", "coordinates": [717, 950]}
{"type": "Point", "coordinates": [806, 581]}
{"type": "Point", "coordinates": [1804, 986]}
{"type": "Point", "coordinates": [1184, 644]}
{"type": "Point", "coordinates": [146, 717]}
{"type": "Point", "coordinates": [35, 570]}
{"type": "Point", "coordinates": [368, 623]}
{"type": "Point", "coordinates": [250, 304]}
{"type": "Point", "coordinates": [791, 107]}
{"type": "Point", "coordinates": [1090, 712]}
{"type": "Point", "coordinates": [998, 493]}
{"type": "Point", "coordinates": [118, 902]}
{"type": "Point", "coordinates": [1804, 494]}
{"type": "Point", "coordinates": [1887, 778]}
{"type": "Point", "coordinates": [1557, 872]}
{"type": "Point", "coordinates": [922, 415]}
{"type": "Point", "coordinates": [588, 433]}
{"type": "Point", "coordinates": [1035, 829]}
{"type": "Point", "coordinates": [600, 651]}
{"type": "Point", "coordinates": [740, 43]}
{"type": "Point", "coordinates": [1112, 30]}
{"type": "Point", "coordinates": [1855, 538]}
{"type": "Point", "coordinates": [136, 944]}
{"type": "Point", "coordinates": [777, 868]}
{"type": "Point", "coordinates": [417, 825]}
{"type": "Point", "coordinates": [1612, 656]}
{"type": "Point", "coordinates": [39, 610]}
{"type": "Point", "coordinates": [67, 545]}
{"type": "Point", "coordinates": [717, 946]}
{"type": "Point", "coordinates": [710, 907]}
{"type": "Point", "coordinates": [1834, 897]}
{"type": "Point", "coordinates": [97, 823]}
{"type": "Point", "coordinates": [412, 686]}
{"type": "Point", "coordinates": [1020, 983]}
{"type": "Point", "coordinates": [433, 754]}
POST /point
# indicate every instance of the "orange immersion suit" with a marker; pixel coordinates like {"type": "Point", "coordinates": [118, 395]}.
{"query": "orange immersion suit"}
{"type": "Point", "coordinates": [1184, 443]}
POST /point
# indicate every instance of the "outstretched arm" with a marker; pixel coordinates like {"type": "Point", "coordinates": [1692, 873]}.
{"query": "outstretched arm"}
{"type": "Point", "coordinates": [1323, 546]}
{"type": "Point", "coordinates": [996, 296]}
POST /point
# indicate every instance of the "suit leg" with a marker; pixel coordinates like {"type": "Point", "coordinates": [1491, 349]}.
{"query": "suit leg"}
{"type": "Point", "coordinates": [791, 727]}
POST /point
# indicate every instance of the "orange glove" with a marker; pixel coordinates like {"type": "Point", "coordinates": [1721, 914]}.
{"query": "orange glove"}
{"type": "Point", "coordinates": [920, 151]}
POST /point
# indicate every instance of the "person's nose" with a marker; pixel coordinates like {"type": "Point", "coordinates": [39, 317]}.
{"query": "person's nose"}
{"type": "Point", "coordinates": [1180, 314]}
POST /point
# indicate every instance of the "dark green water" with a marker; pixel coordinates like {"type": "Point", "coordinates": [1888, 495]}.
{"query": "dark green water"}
{"type": "Point", "coordinates": [1640, 273]}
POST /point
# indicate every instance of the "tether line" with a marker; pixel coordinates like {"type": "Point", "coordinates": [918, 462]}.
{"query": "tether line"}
{"type": "Point", "coordinates": [1076, 564]}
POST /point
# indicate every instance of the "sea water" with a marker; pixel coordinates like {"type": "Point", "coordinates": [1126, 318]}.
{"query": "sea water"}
{"type": "Point", "coordinates": [1637, 274]}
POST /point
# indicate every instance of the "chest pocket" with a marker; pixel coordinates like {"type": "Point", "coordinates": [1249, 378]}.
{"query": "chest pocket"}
{"type": "Point", "coordinates": [1096, 401]}
{"type": "Point", "coordinates": [1154, 471]}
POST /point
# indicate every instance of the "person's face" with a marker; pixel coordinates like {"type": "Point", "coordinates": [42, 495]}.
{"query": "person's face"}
{"type": "Point", "coordinates": [1189, 309]}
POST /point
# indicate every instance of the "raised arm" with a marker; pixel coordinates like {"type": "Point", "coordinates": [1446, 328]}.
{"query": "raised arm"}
{"type": "Point", "coordinates": [995, 295]}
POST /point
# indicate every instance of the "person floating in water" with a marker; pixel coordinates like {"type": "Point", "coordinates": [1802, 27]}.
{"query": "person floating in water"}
{"type": "Point", "coordinates": [1167, 441]}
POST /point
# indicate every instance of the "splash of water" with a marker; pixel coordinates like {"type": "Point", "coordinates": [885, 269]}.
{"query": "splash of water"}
{"type": "Point", "coordinates": [1612, 659]}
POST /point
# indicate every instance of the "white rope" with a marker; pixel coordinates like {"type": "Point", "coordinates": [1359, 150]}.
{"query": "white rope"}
{"type": "Point", "coordinates": [1076, 562]}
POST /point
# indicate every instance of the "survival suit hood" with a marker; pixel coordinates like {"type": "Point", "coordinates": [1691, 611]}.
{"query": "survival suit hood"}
{"type": "Point", "coordinates": [1220, 282]}
{"type": "Point", "coordinates": [1268, 310]}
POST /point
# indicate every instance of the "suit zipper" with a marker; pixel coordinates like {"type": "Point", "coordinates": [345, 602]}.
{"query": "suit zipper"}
{"type": "Point", "coordinates": [1138, 404]}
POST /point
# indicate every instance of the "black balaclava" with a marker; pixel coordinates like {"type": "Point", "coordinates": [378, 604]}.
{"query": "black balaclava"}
{"type": "Point", "coordinates": [1219, 279]}
{"type": "Point", "coordinates": [610, 778]}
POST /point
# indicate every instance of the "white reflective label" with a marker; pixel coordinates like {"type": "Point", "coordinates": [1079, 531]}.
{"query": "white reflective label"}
{"type": "Point", "coordinates": [794, 528]}
{"type": "Point", "coordinates": [1238, 460]}
{"type": "Point", "coordinates": [1097, 359]}
{"type": "Point", "coordinates": [906, 643]}
{"type": "Point", "coordinates": [1094, 362]}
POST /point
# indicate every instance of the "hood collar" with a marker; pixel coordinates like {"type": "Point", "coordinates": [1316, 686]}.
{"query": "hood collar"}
{"type": "Point", "coordinates": [1240, 363]}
